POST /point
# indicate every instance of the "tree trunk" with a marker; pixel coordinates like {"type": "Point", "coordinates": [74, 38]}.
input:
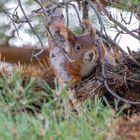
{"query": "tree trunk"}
{"type": "Point", "coordinates": [85, 10]}
{"type": "Point", "coordinates": [57, 58]}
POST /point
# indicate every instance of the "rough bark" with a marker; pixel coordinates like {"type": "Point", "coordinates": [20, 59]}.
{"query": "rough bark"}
{"type": "Point", "coordinates": [85, 10]}
{"type": "Point", "coordinates": [57, 58]}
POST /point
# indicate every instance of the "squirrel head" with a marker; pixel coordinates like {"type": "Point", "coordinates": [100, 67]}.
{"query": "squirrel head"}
{"type": "Point", "coordinates": [82, 48]}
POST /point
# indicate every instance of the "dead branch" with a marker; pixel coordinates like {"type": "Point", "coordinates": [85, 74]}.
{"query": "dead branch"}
{"type": "Point", "coordinates": [110, 17]}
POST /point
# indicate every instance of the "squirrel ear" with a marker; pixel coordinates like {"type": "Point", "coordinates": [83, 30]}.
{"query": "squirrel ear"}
{"type": "Point", "coordinates": [88, 25]}
{"type": "Point", "coordinates": [66, 33]}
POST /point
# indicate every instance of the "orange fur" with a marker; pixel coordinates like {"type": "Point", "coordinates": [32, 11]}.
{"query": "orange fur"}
{"type": "Point", "coordinates": [104, 2]}
{"type": "Point", "coordinates": [82, 49]}
{"type": "Point", "coordinates": [74, 70]}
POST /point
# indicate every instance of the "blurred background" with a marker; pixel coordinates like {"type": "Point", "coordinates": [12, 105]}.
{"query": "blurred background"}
{"type": "Point", "coordinates": [21, 35]}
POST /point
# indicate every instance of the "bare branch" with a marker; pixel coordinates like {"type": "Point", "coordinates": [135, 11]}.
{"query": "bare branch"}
{"type": "Point", "coordinates": [110, 17]}
{"type": "Point", "coordinates": [30, 25]}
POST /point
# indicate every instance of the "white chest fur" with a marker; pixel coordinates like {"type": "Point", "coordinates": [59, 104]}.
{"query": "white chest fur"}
{"type": "Point", "coordinates": [86, 68]}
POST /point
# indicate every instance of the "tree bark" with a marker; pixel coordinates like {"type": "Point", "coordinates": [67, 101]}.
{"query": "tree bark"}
{"type": "Point", "coordinates": [57, 58]}
{"type": "Point", "coordinates": [85, 10]}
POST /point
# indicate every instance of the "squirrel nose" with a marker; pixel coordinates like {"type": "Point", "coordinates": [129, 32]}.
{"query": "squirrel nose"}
{"type": "Point", "coordinates": [91, 55]}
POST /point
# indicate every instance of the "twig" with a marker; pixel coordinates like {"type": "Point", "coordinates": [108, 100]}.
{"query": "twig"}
{"type": "Point", "coordinates": [30, 25]}
{"type": "Point", "coordinates": [116, 22]}
{"type": "Point", "coordinates": [48, 30]}
{"type": "Point", "coordinates": [67, 15]}
{"type": "Point", "coordinates": [134, 60]}
{"type": "Point", "coordinates": [112, 42]}
{"type": "Point", "coordinates": [9, 15]}
{"type": "Point", "coordinates": [85, 9]}
{"type": "Point", "coordinates": [130, 19]}
{"type": "Point", "coordinates": [98, 16]}
{"type": "Point", "coordinates": [130, 56]}
{"type": "Point", "coordinates": [59, 46]}
{"type": "Point", "coordinates": [74, 7]}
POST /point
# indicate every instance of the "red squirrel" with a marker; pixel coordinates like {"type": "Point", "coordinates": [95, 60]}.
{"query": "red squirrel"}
{"type": "Point", "coordinates": [82, 50]}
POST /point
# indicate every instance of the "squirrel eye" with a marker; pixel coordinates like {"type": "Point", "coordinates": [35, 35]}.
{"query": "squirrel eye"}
{"type": "Point", "coordinates": [78, 47]}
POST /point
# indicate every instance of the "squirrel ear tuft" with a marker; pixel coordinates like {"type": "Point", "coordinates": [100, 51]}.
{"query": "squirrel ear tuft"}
{"type": "Point", "coordinates": [88, 25]}
{"type": "Point", "coordinates": [66, 33]}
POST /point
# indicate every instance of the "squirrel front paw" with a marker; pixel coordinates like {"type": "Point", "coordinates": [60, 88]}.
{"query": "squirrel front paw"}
{"type": "Point", "coordinates": [74, 81]}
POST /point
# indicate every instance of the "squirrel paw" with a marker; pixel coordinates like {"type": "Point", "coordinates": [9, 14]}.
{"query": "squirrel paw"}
{"type": "Point", "coordinates": [74, 82]}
